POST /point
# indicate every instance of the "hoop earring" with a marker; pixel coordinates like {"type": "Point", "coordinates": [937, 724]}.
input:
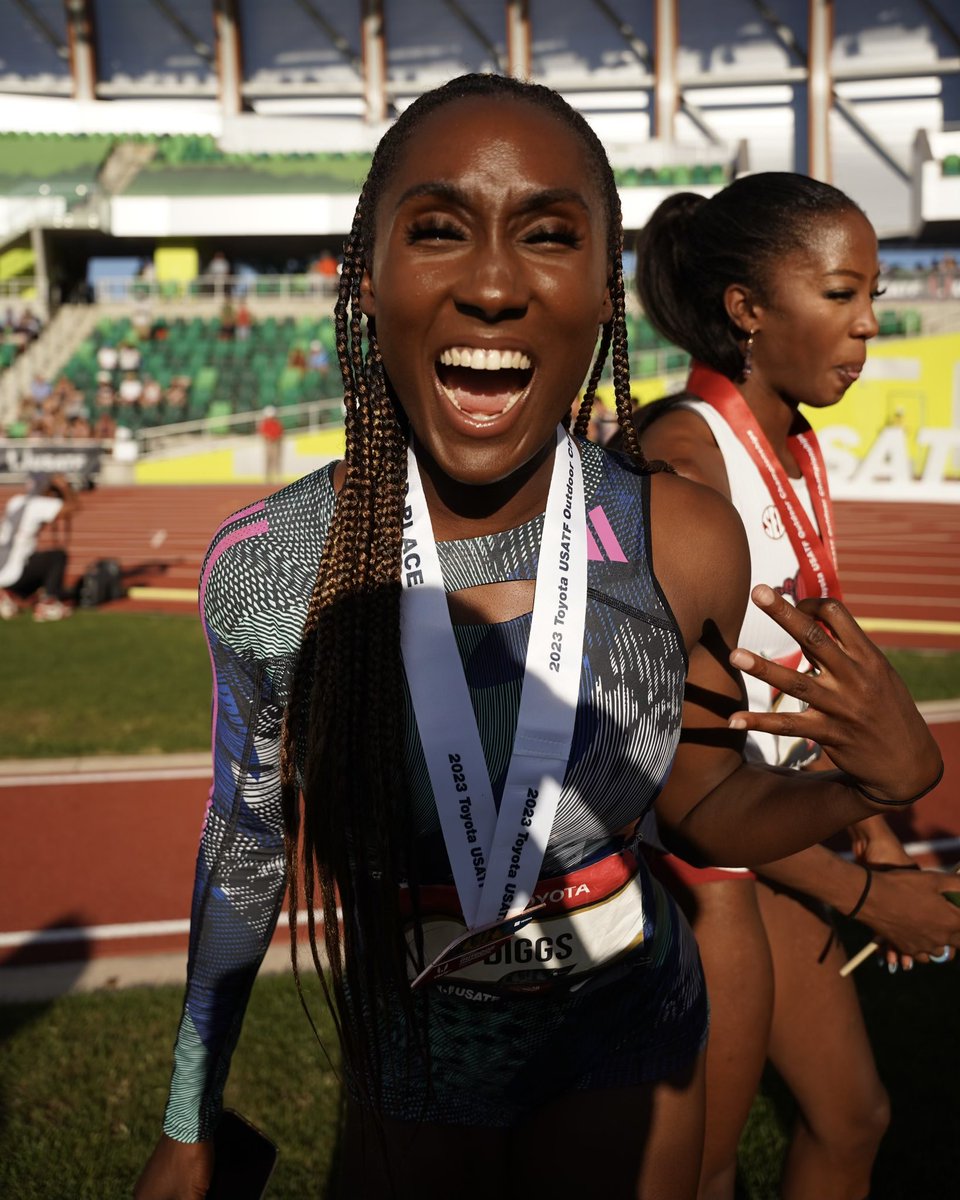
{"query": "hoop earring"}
{"type": "Point", "coordinates": [747, 357]}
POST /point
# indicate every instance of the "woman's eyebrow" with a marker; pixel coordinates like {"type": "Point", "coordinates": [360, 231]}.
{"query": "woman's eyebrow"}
{"type": "Point", "coordinates": [452, 194]}
{"type": "Point", "coordinates": [547, 197]}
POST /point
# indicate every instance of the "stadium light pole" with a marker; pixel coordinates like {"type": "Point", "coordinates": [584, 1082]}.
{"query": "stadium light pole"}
{"type": "Point", "coordinates": [820, 89]}
{"type": "Point", "coordinates": [374, 60]}
{"type": "Point", "coordinates": [666, 91]}
{"type": "Point", "coordinates": [83, 58]}
{"type": "Point", "coordinates": [229, 58]}
{"type": "Point", "coordinates": [519, 59]}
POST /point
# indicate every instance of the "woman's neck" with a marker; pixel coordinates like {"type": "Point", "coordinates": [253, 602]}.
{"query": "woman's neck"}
{"type": "Point", "coordinates": [459, 510]}
{"type": "Point", "coordinates": [778, 419]}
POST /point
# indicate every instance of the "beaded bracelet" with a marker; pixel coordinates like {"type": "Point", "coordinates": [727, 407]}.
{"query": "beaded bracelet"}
{"type": "Point", "coordinates": [898, 803]}
{"type": "Point", "coordinates": [864, 894]}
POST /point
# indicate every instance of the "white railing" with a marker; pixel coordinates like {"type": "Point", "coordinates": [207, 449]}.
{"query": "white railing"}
{"type": "Point", "coordinates": [21, 286]}
{"type": "Point", "coordinates": [310, 416]}
{"type": "Point", "coordinates": [129, 290]}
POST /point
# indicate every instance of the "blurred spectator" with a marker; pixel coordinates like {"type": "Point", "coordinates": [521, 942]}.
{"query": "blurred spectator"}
{"type": "Point", "coordinates": [107, 357]}
{"type": "Point", "coordinates": [152, 396]}
{"type": "Point", "coordinates": [271, 431]}
{"type": "Point", "coordinates": [244, 321]}
{"type": "Point", "coordinates": [318, 359]}
{"type": "Point", "coordinates": [326, 267]}
{"type": "Point", "coordinates": [131, 389]}
{"type": "Point", "coordinates": [28, 326]}
{"type": "Point", "coordinates": [79, 427]}
{"type": "Point", "coordinates": [19, 331]}
{"type": "Point", "coordinates": [176, 397]}
{"type": "Point", "coordinates": [105, 397]}
{"type": "Point", "coordinates": [40, 388]}
{"type": "Point", "coordinates": [104, 427]}
{"type": "Point", "coordinates": [297, 358]}
{"type": "Point", "coordinates": [142, 321]}
{"type": "Point", "coordinates": [218, 268]}
{"type": "Point", "coordinates": [26, 573]}
{"type": "Point", "coordinates": [228, 322]}
{"type": "Point", "coordinates": [124, 446]}
{"type": "Point", "coordinates": [128, 357]}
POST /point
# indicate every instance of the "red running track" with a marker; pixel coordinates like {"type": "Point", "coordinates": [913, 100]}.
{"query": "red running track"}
{"type": "Point", "coordinates": [93, 854]}
{"type": "Point", "coordinates": [98, 853]}
{"type": "Point", "coordinates": [897, 560]}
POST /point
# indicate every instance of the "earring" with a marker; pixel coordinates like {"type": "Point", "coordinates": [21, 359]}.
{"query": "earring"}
{"type": "Point", "coordinates": [747, 357]}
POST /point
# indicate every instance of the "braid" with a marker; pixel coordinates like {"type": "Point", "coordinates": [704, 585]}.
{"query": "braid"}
{"type": "Point", "coordinates": [344, 790]}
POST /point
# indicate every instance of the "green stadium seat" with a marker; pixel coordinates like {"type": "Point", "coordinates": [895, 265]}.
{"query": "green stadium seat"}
{"type": "Point", "coordinates": [646, 364]}
{"type": "Point", "coordinates": [889, 323]}
{"type": "Point", "coordinates": [216, 412]}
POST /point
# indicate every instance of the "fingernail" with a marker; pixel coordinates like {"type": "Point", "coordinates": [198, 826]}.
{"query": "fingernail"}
{"type": "Point", "coordinates": [737, 723]}
{"type": "Point", "coordinates": [892, 968]}
{"type": "Point", "coordinates": [907, 964]}
{"type": "Point", "coordinates": [764, 594]}
{"type": "Point", "coordinates": [741, 658]}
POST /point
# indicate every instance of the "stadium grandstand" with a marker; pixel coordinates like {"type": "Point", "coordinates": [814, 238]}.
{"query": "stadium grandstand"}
{"type": "Point", "coordinates": [177, 176]}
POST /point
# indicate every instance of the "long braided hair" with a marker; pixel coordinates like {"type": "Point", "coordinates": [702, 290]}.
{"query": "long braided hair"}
{"type": "Point", "coordinates": [348, 827]}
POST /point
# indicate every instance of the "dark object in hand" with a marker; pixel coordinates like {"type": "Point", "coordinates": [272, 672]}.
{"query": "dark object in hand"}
{"type": "Point", "coordinates": [244, 1159]}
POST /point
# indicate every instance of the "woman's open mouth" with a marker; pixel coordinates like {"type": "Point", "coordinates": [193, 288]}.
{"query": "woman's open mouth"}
{"type": "Point", "coordinates": [484, 384]}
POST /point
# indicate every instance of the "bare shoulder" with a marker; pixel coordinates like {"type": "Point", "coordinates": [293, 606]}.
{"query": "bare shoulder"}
{"type": "Point", "coordinates": [700, 554]}
{"type": "Point", "coordinates": [683, 438]}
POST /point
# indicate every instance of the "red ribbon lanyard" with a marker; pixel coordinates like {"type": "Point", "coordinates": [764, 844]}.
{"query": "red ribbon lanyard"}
{"type": "Point", "coordinates": [815, 551]}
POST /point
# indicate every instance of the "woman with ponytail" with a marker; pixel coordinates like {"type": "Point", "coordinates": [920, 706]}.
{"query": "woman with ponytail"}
{"type": "Point", "coordinates": [769, 286]}
{"type": "Point", "coordinates": [449, 683]}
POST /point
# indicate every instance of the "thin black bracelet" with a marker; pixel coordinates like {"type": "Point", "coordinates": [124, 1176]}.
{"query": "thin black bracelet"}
{"type": "Point", "coordinates": [864, 894]}
{"type": "Point", "coordinates": [898, 803]}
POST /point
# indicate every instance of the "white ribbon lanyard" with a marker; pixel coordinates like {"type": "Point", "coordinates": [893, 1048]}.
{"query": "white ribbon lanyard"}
{"type": "Point", "coordinates": [496, 860]}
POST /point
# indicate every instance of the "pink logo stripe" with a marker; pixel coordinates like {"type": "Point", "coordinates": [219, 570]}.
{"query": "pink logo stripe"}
{"type": "Point", "coordinates": [593, 550]}
{"type": "Point", "coordinates": [606, 535]}
{"type": "Point", "coordinates": [237, 516]}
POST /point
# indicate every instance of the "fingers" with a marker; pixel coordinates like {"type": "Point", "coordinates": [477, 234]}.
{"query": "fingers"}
{"type": "Point", "coordinates": [805, 623]}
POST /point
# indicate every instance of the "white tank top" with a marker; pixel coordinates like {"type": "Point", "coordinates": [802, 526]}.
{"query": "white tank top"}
{"type": "Point", "coordinates": [772, 561]}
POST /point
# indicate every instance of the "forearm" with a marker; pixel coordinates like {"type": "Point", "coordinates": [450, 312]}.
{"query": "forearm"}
{"type": "Point", "coordinates": [759, 814]}
{"type": "Point", "coordinates": [820, 873]}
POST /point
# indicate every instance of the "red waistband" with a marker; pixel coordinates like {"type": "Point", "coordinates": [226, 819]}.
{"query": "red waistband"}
{"type": "Point", "coordinates": [558, 893]}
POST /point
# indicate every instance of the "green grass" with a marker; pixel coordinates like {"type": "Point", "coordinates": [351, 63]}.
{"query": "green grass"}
{"type": "Point", "coordinates": [83, 1083]}
{"type": "Point", "coordinates": [103, 683]}
{"type": "Point", "coordinates": [930, 674]}
{"type": "Point", "coordinates": [138, 683]}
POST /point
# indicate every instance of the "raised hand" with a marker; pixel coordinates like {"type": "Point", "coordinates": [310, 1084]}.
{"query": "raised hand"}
{"type": "Point", "coordinates": [858, 707]}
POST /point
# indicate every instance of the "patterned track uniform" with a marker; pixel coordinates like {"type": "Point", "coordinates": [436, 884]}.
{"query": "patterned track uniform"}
{"type": "Point", "coordinates": [256, 579]}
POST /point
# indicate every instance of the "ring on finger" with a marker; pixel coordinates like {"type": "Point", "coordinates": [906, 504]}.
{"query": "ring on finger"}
{"type": "Point", "coordinates": [942, 957]}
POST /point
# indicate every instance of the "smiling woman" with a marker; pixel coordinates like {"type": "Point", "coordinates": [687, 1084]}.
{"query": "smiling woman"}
{"type": "Point", "coordinates": [449, 685]}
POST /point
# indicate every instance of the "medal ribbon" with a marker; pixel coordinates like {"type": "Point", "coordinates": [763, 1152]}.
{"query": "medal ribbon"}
{"type": "Point", "coordinates": [496, 860]}
{"type": "Point", "coordinates": [815, 551]}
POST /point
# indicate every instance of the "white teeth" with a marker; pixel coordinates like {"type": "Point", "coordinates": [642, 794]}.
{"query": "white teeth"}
{"type": "Point", "coordinates": [485, 360]}
{"type": "Point", "coordinates": [482, 418]}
